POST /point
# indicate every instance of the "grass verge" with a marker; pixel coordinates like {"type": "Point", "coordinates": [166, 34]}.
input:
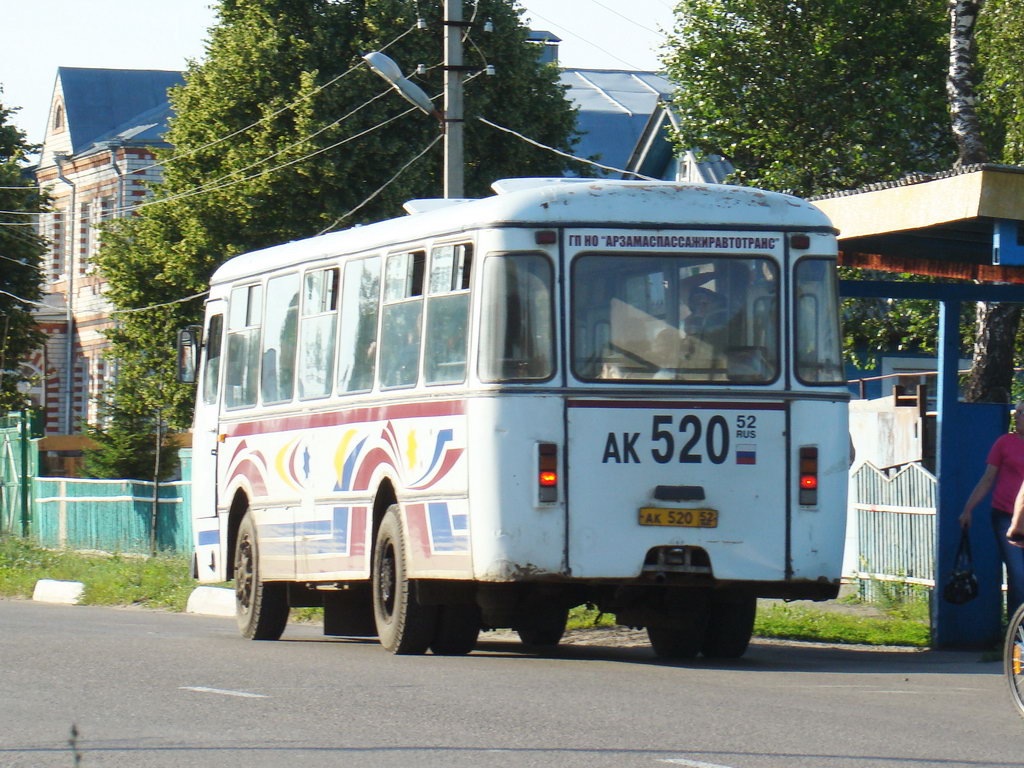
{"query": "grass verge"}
{"type": "Point", "coordinates": [157, 582]}
{"type": "Point", "coordinates": [797, 622]}
{"type": "Point", "coordinates": [164, 582]}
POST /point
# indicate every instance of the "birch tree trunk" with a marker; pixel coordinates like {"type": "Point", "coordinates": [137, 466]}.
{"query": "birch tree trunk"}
{"type": "Point", "coordinates": [992, 372]}
{"type": "Point", "coordinates": [995, 324]}
{"type": "Point", "coordinates": [963, 17]}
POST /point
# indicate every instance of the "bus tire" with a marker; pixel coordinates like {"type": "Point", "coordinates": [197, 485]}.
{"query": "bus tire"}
{"type": "Point", "coordinates": [730, 625]}
{"type": "Point", "coordinates": [680, 638]}
{"type": "Point", "coordinates": [261, 607]}
{"type": "Point", "coordinates": [404, 626]}
{"type": "Point", "coordinates": [543, 627]}
{"type": "Point", "coordinates": [458, 627]}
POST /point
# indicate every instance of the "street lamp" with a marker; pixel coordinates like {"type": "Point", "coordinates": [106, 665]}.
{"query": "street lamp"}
{"type": "Point", "coordinates": [452, 118]}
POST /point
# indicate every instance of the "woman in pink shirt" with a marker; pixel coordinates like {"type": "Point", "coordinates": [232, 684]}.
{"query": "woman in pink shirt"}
{"type": "Point", "coordinates": [1005, 471]}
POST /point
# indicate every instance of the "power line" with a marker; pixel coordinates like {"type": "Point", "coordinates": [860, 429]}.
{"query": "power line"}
{"type": "Point", "coordinates": [536, 143]}
{"type": "Point", "coordinates": [28, 301]}
{"type": "Point", "coordinates": [384, 185]}
{"type": "Point", "coordinates": [158, 306]}
{"type": "Point", "coordinates": [264, 119]}
{"type": "Point", "coordinates": [624, 16]}
{"type": "Point", "coordinates": [575, 34]}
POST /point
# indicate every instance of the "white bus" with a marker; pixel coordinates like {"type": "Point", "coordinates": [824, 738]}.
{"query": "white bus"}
{"type": "Point", "coordinates": [482, 414]}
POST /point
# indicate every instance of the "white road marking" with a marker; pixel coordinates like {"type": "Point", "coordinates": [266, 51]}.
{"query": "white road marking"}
{"type": "Point", "coordinates": [222, 692]}
{"type": "Point", "coordinates": [692, 763]}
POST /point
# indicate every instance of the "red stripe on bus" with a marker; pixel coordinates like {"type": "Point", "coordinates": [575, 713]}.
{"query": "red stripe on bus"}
{"type": "Point", "coordinates": [658, 405]}
{"type": "Point", "coordinates": [353, 416]}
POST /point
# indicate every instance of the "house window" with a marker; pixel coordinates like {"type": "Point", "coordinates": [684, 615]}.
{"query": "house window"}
{"type": "Point", "coordinates": [58, 118]}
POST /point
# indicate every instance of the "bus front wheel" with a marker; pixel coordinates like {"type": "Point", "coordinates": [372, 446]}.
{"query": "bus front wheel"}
{"type": "Point", "coordinates": [261, 607]}
{"type": "Point", "coordinates": [404, 626]}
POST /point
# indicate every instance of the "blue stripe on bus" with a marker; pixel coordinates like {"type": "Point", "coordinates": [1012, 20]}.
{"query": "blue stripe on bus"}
{"type": "Point", "coordinates": [350, 463]}
{"type": "Point", "coordinates": [208, 537]}
{"type": "Point", "coordinates": [449, 533]}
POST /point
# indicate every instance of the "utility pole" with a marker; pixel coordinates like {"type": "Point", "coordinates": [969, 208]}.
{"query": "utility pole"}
{"type": "Point", "coordinates": [453, 109]}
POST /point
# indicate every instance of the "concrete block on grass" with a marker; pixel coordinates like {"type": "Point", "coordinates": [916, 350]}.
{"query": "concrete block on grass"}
{"type": "Point", "coordinates": [53, 591]}
{"type": "Point", "coordinates": [211, 601]}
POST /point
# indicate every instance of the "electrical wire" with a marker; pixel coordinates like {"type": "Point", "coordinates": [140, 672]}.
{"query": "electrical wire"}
{"type": "Point", "coordinates": [624, 16]}
{"type": "Point", "coordinates": [28, 301]}
{"type": "Point", "coordinates": [384, 185]}
{"type": "Point", "coordinates": [285, 108]}
{"type": "Point", "coordinates": [536, 143]}
{"type": "Point", "coordinates": [215, 183]}
{"type": "Point", "coordinates": [158, 306]}
{"type": "Point", "coordinates": [575, 34]}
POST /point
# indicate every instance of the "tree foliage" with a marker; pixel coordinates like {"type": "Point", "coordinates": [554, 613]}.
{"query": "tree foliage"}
{"type": "Point", "coordinates": [1000, 40]}
{"type": "Point", "coordinates": [810, 96]}
{"type": "Point", "coordinates": [20, 253]}
{"type": "Point", "coordinates": [126, 446]}
{"type": "Point", "coordinates": [281, 131]}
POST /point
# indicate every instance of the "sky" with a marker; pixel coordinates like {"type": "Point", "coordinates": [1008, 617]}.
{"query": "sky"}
{"type": "Point", "coordinates": [164, 34]}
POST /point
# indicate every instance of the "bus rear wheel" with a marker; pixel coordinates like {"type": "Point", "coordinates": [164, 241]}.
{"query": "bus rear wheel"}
{"type": "Point", "coordinates": [458, 627]}
{"type": "Point", "coordinates": [730, 625]}
{"type": "Point", "coordinates": [261, 607]}
{"type": "Point", "coordinates": [543, 627]}
{"type": "Point", "coordinates": [681, 637]}
{"type": "Point", "coordinates": [404, 626]}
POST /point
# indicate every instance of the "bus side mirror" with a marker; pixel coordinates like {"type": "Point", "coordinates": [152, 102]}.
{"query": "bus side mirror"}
{"type": "Point", "coordinates": [189, 343]}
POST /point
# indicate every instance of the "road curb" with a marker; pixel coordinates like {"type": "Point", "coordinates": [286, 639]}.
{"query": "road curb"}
{"type": "Point", "coordinates": [211, 601]}
{"type": "Point", "coordinates": [54, 591]}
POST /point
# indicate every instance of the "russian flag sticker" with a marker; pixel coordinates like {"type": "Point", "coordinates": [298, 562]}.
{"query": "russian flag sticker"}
{"type": "Point", "coordinates": [746, 454]}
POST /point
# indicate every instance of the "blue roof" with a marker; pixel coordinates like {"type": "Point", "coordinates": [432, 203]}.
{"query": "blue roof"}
{"type": "Point", "coordinates": [614, 107]}
{"type": "Point", "coordinates": [104, 102]}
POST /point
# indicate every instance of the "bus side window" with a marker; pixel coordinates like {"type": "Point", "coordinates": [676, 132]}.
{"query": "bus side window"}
{"type": "Point", "coordinates": [211, 366]}
{"type": "Point", "coordinates": [444, 354]}
{"type": "Point", "coordinates": [245, 309]}
{"type": "Point", "coordinates": [280, 329]}
{"type": "Point", "coordinates": [401, 326]}
{"type": "Point", "coordinates": [517, 334]}
{"type": "Point", "coordinates": [316, 333]}
{"type": "Point", "coordinates": [357, 343]}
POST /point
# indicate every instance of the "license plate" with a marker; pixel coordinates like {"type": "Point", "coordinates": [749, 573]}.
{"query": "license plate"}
{"type": "Point", "coordinates": [684, 518]}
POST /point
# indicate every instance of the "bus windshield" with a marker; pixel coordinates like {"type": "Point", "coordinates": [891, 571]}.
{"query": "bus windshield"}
{"type": "Point", "coordinates": [675, 318]}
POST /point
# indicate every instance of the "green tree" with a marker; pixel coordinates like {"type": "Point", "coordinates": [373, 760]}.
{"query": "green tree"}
{"type": "Point", "coordinates": [126, 447]}
{"type": "Point", "coordinates": [811, 97]}
{"type": "Point", "coordinates": [20, 253]}
{"type": "Point", "coordinates": [281, 132]}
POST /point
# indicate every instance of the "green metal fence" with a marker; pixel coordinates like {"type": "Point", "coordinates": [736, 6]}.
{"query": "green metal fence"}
{"type": "Point", "coordinates": [77, 513]}
{"type": "Point", "coordinates": [19, 463]}
{"type": "Point", "coordinates": [109, 515]}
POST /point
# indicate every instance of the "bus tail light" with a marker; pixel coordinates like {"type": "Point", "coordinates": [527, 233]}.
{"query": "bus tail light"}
{"type": "Point", "coordinates": [547, 472]}
{"type": "Point", "coordinates": [808, 491]}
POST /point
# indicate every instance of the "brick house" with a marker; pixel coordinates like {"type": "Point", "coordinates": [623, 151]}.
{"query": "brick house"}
{"type": "Point", "coordinates": [96, 158]}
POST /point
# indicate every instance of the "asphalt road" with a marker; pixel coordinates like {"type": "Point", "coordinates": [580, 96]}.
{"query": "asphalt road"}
{"type": "Point", "coordinates": [159, 689]}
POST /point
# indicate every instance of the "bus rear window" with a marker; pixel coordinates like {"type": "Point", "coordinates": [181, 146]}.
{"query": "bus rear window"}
{"type": "Point", "coordinates": [675, 318]}
{"type": "Point", "coordinates": [517, 336]}
{"type": "Point", "coordinates": [818, 356]}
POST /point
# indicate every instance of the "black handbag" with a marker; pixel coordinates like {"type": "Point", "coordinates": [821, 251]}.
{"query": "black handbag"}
{"type": "Point", "coordinates": [962, 585]}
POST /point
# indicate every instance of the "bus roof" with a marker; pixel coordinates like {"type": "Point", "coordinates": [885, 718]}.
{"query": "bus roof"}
{"type": "Point", "coordinates": [553, 203]}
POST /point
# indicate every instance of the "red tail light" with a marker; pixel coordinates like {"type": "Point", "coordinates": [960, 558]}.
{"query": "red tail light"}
{"type": "Point", "coordinates": [547, 472]}
{"type": "Point", "coordinates": [808, 490]}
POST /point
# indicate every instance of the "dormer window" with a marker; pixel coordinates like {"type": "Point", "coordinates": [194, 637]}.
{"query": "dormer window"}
{"type": "Point", "coordinates": [58, 118]}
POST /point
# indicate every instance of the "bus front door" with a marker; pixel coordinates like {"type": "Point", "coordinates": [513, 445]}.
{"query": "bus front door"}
{"type": "Point", "coordinates": [207, 533]}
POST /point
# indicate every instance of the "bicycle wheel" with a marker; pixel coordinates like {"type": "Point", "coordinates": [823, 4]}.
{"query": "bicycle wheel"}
{"type": "Point", "coordinates": [1013, 659]}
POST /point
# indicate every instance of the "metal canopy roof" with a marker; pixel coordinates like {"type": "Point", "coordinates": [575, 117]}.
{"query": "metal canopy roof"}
{"type": "Point", "coordinates": [941, 225]}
